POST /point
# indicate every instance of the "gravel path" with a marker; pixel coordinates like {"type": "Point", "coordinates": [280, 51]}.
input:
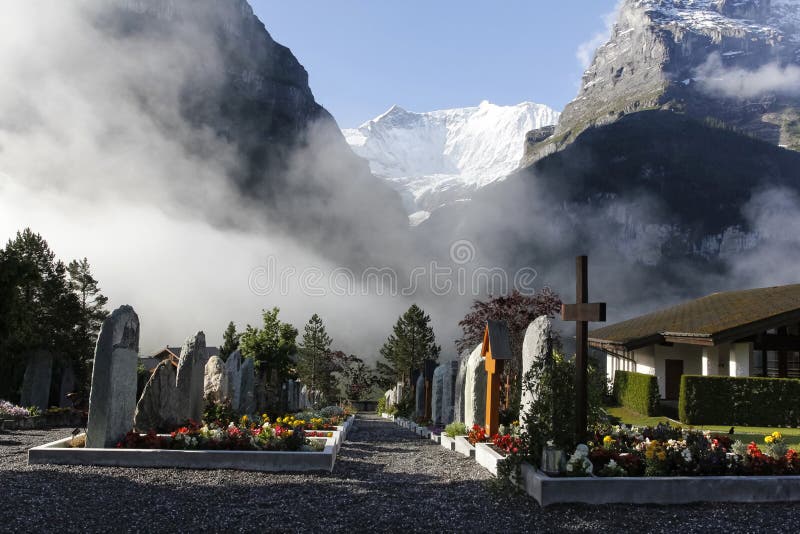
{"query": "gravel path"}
{"type": "Point", "coordinates": [385, 479]}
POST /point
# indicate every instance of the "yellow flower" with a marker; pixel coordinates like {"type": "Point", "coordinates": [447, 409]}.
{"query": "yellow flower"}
{"type": "Point", "coordinates": [244, 419]}
{"type": "Point", "coordinates": [608, 440]}
{"type": "Point", "coordinates": [777, 435]}
{"type": "Point", "coordinates": [769, 439]}
{"type": "Point", "coordinates": [662, 455]}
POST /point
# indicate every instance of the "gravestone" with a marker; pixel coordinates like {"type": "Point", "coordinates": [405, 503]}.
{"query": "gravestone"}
{"type": "Point", "coordinates": [216, 387]}
{"type": "Point", "coordinates": [388, 396]}
{"type": "Point", "coordinates": [233, 367]}
{"type": "Point", "coordinates": [290, 396]}
{"type": "Point", "coordinates": [536, 347]}
{"type": "Point", "coordinates": [36, 382]}
{"type": "Point", "coordinates": [156, 409]}
{"type": "Point", "coordinates": [112, 399]}
{"type": "Point", "coordinates": [475, 390]}
{"type": "Point", "coordinates": [496, 352]}
{"type": "Point", "coordinates": [191, 378]}
{"type": "Point", "coordinates": [247, 404]}
{"type": "Point", "coordinates": [448, 391]}
{"type": "Point", "coordinates": [419, 397]}
{"type": "Point", "coordinates": [304, 397]}
{"type": "Point", "coordinates": [460, 384]}
{"type": "Point", "coordinates": [437, 395]}
{"type": "Point", "coordinates": [67, 387]}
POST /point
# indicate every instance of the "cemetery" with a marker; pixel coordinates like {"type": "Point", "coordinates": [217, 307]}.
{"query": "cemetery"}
{"type": "Point", "coordinates": [557, 441]}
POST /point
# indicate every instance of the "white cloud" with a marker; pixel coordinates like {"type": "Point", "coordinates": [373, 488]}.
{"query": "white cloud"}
{"type": "Point", "coordinates": [716, 78]}
{"type": "Point", "coordinates": [586, 50]}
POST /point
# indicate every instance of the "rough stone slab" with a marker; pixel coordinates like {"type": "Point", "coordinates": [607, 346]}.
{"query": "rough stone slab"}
{"type": "Point", "coordinates": [437, 394]}
{"type": "Point", "coordinates": [233, 367]}
{"type": "Point", "coordinates": [112, 400]}
{"type": "Point", "coordinates": [273, 461]}
{"type": "Point", "coordinates": [419, 397]}
{"type": "Point", "coordinates": [190, 379]}
{"type": "Point", "coordinates": [36, 381]}
{"type": "Point", "coordinates": [68, 381]}
{"type": "Point", "coordinates": [461, 378]}
{"type": "Point", "coordinates": [475, 390]}
{"type": "Point", "coordinates": [448, 391]}
{"type": "Point", "coordinates": [537, 346]}
{"type": "Point", "coordinates": [248, 388]}
{"type": "Point", "coordinates": [157, 407]}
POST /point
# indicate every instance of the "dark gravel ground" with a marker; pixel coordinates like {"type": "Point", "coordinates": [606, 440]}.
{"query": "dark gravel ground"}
{"type": "Point", "coordinates": [385, 479]}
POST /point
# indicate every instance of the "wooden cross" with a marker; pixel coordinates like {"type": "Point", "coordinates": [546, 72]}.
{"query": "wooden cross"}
{"type": "Point", "coordinates": [496, 351]}
{"type": "Point", "coordinates": [582, 312]}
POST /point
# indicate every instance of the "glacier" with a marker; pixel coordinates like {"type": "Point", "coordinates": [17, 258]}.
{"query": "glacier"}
{"type": "Point", "coordinates": [440, 157]}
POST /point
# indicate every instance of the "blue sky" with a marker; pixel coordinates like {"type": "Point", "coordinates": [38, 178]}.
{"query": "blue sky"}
{"type": "Point", "coordinates": [363, 56]}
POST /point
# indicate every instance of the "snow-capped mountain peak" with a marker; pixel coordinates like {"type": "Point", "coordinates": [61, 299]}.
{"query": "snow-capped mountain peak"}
{"type": "Point", "coordinates": [438, 157]}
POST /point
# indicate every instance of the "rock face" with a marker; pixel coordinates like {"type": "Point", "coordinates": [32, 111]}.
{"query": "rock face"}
{"type": "Point", "coordinates": [290, 395]}
{"type": "Point", "coordinates": [36, 382]}
{"type": "Point", "coordinates": [461, 379]}
{"type": "Point", "coordinates": [190, 380]}
{"type": "Point", "coordinates": [247, 404]}
{"type": "Point", "coordinates": [233, 368]}
{"type": "Point", "coordinates": [449, 391]}
{"type": "Point", "coordinates": [419, 397]}
{"type": "Point", "coordinates": [157, 407]}
{"type": "Point", "coordinates": [475, 390]}
{"type": "Point", "coordinates": [437, 394]}
{"type": "Point", "coordinates": [216, 386]}
{"type": "Point", "coordinates": [112, 400]}
{"type": "Point", "coordinates": [537, 346]}
{"type": "Point", "coordinates": [663, 54]}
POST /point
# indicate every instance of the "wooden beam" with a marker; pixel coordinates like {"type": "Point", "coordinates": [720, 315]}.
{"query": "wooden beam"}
{"type": "Point", "coordinates": [584, 311]}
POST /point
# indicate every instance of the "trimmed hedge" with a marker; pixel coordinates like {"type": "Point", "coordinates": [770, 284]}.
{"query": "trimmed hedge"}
{"type": "Point", "coordinates": [636, 391]}
{"type": "Point", "coordinates": [728, 400]}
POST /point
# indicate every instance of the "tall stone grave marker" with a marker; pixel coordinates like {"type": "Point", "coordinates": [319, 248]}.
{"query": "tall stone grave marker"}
{"type": "Point", "coordinates": [419, 396]}
{"type": "Point", "coordinates": [216, 387]}
{"type": "Point", "coordinates": [112, 399]}
{"type": "Point", "coordinates": [233, 367]}
{"type": "Point", "coordinates": [67, 387]}
{"type": "Point", "coordinates": [461, 379]}
{"type": "Point", "coordinates": [191, 377]}
{"type": "Point", "coordinates": [36, 382]}
{"type": "Point", "coordinates": [157, 407]}
{"type": "Point", "coordinates": [448, 391]}
{"type": "Point", "coordinates": [247, 404]}
{"type": "Point", "coordinates": [536, 347]}
{"type": "Point", "coordinates": [475, 390]}
{"type": "Point", "coordinates": [437, 395]}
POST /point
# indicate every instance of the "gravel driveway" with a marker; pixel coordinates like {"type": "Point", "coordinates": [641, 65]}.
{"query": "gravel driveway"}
{"type": "Point", "coordinates": [385, 479]}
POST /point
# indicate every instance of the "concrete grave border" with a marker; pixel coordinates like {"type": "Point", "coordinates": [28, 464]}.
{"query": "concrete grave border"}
{"type": "Point", "coordinates": [659, 490]}
{"type": "Point", "coordinates": [272, 461]}
{"type": "Point", "coordinates": [269, 461]}
{"type": "Point", "coordinates": [487, 457]}
{"type": "Point", "coordinates": [447, 442]}
{"type": "Point", "coordinates": [463, 446]}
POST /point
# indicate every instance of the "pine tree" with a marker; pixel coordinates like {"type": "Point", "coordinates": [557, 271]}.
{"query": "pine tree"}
{"type": "Point", "coordinates": [314, 365]}
{"type": "Point", "coordinates": [273, 345]}
{"type": "Point", "coordinates": [91, 313]}
{"type": "Point", "coordinates": [230, 341]}
{"type": "Point", "coordinates": [411, 343]}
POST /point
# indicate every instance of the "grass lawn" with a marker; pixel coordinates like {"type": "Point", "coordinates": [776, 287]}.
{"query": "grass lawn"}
{"type": "Point", "coordinates": [745, 434]}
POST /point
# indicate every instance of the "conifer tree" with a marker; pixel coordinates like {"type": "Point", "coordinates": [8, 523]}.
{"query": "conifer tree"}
{"type": "Point", "coordinates": [411, 343]}
{"type": "Point", "coordinates": [230, 341]}
{"type": "Point", "coordinates": [314, 365]}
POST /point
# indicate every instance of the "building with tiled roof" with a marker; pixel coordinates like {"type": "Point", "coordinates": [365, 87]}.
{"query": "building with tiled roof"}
{"type": "Point", "coordinates": [754, 332]}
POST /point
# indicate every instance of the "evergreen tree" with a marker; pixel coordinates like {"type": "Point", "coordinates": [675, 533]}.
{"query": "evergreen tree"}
{"type": "Point", "coordinates": [92, 312]}
{"type": "Point", "coordinates": [314, 366]}
{"type": "Point", "coordinates": [411, 343]}
{"type": "Point", "coordinates": [273, 345]}
{"type": "Point", "coordinates": [230, 341]}
{"type": "Point", "coordinates": [42, 312]}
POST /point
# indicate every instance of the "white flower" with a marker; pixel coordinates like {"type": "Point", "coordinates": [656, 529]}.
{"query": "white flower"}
{"type": "Point", "coordinates": [687, 455]}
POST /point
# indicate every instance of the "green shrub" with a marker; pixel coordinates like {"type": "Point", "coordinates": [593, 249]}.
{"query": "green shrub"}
{"type": "Point", "coordinates": [381, 405]}
{"type": "Point", "coordinates": [636, 391]}
{"type": "Point", "coordinates": [455, 429]}
{"type": "Point", "coordinates": [728, 400]}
